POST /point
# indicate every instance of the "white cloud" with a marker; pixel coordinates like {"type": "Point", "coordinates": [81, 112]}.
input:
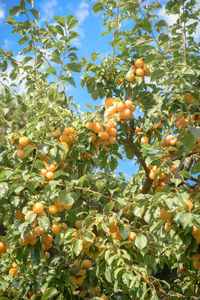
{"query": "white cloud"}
{"type": "Point", "coordinates": [82, 12]}
{"type": "Point", "coordinates": [2, 11]}
{"type": "Point", "coordinates": [170, 19]}
{"type": "Point", "coordinates": [48, 8]}
{"type": "Point", "coordinates": [7, 44]}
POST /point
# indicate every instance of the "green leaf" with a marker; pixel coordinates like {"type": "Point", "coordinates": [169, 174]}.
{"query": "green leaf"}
{"type": "Point", "coordinates": [124, 232]}
{"type": "Point", "coordinates": [38, 164]}
{"type": "Point", "coordinates": [108, 208]}
{"type": "Point", "coordinates": [195, 131]}
{"type": "Point", "coordinates": [59, 30]}
{"type": "Point", "coordinates": [44, 222]}
{"type": "Point", "coordinates": [74, 67]}
{"type": "Point", "coordinates": [196, 168]}
{"type": "Point", "coordinates": [31, 217]}
{"type": "Point", "coordinates": [28, 149]}
{"type": "Point", "coordinates": [95, 55]}
{"type": "Point", "coordinates": [3, 189]}
{"type": "Point", "coordinates": [67, 197]}
{"type": "Point", "coordinates": [35, 254]}
{"type": "Point", "coordinates": [60, 20]}
{"type": "Point", "coordinates": [35, 13]}
{"type": "Point", "coordinates": [78, 245]}
{"type": "Point", "coordinates": [97, 7]}
{"type": "Point", "coordinates": [189, 142]}
{"type": "Point", "coordinates": [14, 10]}
{"type": "Point", "coordinates": [140, 241]}
{"type": "Point", "coordinates": [51, 70]}
{"type": "Point", "coordinates": [71, 22]}
{"type": "Point", "coordinates": [49, 293]}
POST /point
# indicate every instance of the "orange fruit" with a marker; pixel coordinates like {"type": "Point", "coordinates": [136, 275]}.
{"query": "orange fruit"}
{"type": "Point", "coordinates": [147, 71]}
{"type": "Point", "coordinates": [113, 131]}
{"type": "Point", "coordinates": [120, 106]}
{"type": "Point", "coordinates": [165, 214]}
{"type": "Point", "coordinates": [104, 297]}
{"type": "Point", "coordinates": [139, 72]}
{"type": "Point", "coordinates": [38, 208]}
{"type": "Point", "coordinates": [103, 135]}
{"type": "Point", "coordinates": [56, 228]}
{"type": "Point", "coordinates": [169, 226]}
{"type": "Point", "coordinates": [139, 63]}
{"type": "Point", "coordinates": [49, 175]}
{"type": "Point", "coordinates": [190, 204]}
{"type": "Point", "coordinates": [112, 140]}
{"type": "Point", "coordinates": [89, 125]}
{"type": "Point", "coordinates": [33, 242]}
{"type": "Point", "coordinates": [86, 264]}
{"type": "Point", "coordinates": [128, 104]}
{"type": "Point", "coordinates": [23, 141]}
{"type": "Point", "coordinates": [13, 271]}
{"type": "Point", "coordinates": [20, 154]}
{"type": "Point", "coordinates": [43, 172]}
{"type": "Point", "coordinates": [97, 127]}
{"type": "Point", "coordinates": [132, 236]}
{"type": "Point", "coordinates": [51, 168]}
{"type": "Point", "coordinates": [2, 247]}
{"type": "Point", "coordinates": [189, 98]}
{"type": "Point", "coordinates": [47, 255]}
{"type": "Point", "coordinates": [53, 209]}
{"type": "Point", "coordinates": [69, 130]}
{"type": "Point", "coordinates": [196, 264]}
{"type": "Point", "coordinates": [144, 140]}
{"type": "Point", "coordinates": [109, 102]}
{"type": "Point", "coordinates": [67, 207]}
{"type": "Point", "coordinates": [125, 114]}
{"type": "Point", "coordinates": [19, 215]}
{"type": "Point", "coordinates": [75, 235]}
{"type": "Point", "coordinates": [78, 224]}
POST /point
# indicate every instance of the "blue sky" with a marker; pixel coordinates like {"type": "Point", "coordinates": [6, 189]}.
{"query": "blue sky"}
{"type": "Point", "coordinates": [89, 28]}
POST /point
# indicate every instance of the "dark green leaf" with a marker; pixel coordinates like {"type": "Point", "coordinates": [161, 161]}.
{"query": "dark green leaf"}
{"type": "Point", "coordinates": [74, 67]}
{"type": "Point", "coordinates": [35, 13]}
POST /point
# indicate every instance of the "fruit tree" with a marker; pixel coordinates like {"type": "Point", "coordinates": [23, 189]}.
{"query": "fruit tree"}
{"type": "Point", "coordinates": [71, 227]}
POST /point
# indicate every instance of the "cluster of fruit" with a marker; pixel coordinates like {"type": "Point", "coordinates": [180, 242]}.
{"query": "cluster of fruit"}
{"type": "Point", "coordinates": [67, 137]}
{"type": "Point", "coordinates": [22, 144]}
{"type": "Point", "coordinates": [119, 110]}
{"type": "Point", "coordinates": [3, 248]}
{"type": "Point", "coordinates": [48, 172]}
{"type": "Point", "coordinates": [182, 122]}
{"type": "Point", "coordinates": [100, 136]}
{"type": "Point", "coordinates": [169, 141]}
{"type": "Point", "coordinates": [138, 69]}
{"type": "Point", "coordinates": [161, 181]}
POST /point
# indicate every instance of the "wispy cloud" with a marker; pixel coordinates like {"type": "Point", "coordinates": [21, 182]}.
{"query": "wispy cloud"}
{"type": "Point", "coordinates": [7, 44]}
{"type": "Point", "coordinates": [81, 13]}
{"type": "Point", "coordinates": [48, 9]}
{"type": "Point", "coordinates": [2, 11]}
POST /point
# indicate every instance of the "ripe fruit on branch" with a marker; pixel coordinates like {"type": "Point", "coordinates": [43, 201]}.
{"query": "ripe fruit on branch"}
{"type": "Point", "coordinates": [144, 140]}
{"type": "Point", "coordinates": [108, 102]}
{"type": "Point", "coordinates": [13, 271]}
{"type": "Point", "coordinates": [139, 63]}
{"type": "Point", "coordinates": [38, 208]}
{"type": "Point", "coordinates": [24, 141]}
{"type": "Point", "coordinates": [165, 214]}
